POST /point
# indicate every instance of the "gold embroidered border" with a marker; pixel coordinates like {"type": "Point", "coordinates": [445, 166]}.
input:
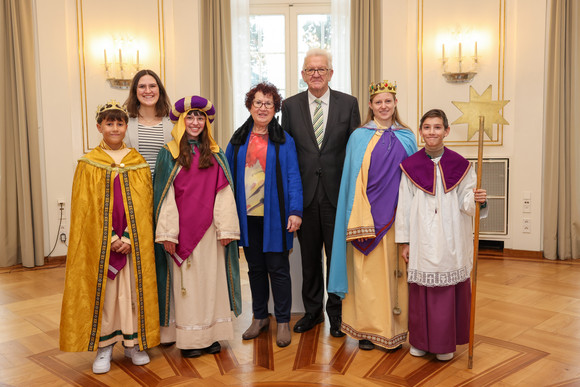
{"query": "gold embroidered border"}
{"type": "Point", "coordinates": [358, 232]}
{"type": "Point", "coordinates": [136, 257]}
{"type": "Point", "coordinates": [382, 341]}
{"type": "Point", "coordinates": [102, 260]}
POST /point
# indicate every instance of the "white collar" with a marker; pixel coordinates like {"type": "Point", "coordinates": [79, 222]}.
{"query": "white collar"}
{"type": "Point", "coordinates": [325, 97]}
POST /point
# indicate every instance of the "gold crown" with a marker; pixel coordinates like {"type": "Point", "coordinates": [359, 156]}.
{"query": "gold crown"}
{"type": "Point", "coordinates": [110, 105]}
{"type": "Point", "coordinates": [382, 87]}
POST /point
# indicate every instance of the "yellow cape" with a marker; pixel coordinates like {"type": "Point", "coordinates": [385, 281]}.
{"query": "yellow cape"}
{"type": "Point", "coordinates": [89, 248]}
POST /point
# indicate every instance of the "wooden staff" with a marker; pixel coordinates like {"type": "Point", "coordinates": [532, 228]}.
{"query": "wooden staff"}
{"type": "Point", "coordinates": [475, 246]}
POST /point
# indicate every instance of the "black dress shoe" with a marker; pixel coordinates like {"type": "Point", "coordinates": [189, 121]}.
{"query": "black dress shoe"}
{"type": "Point", "coordinates": [308, 322]}
{"type": "Point", "coordinates": [191, 352]}
{"type": "Point", "coordinates": [335, 323]}
{"type": "Point", "coordinates": [366, 345]}
{"type": "Point", "coordinates": [214, 348]}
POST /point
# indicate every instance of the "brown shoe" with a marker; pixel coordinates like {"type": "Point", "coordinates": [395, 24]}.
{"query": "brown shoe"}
{"type": "Point", "coordinates": [283, 336]}
{"type": "Point", "coordinates": [258, 325]}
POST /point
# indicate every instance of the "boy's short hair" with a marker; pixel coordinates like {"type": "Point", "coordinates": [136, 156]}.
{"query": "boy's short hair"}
{"type": "Point", "coordinates": [435, 113]}
{"type": "Point", "coordinates": [113, 115]}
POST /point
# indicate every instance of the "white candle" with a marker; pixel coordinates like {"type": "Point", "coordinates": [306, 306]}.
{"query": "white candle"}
{"type": "Point", "coordinates": [138, 54]}
{"type": "Point", "coordinates": [443, 51]}
{"type": "Point", "coordinates": [476, 49]}
{"type": "Point", "coordinates": [121, 57]}
{"type": "Point", "coordinates": [105, 51]}
{"type": "Point", "coordinates": [459, 50]}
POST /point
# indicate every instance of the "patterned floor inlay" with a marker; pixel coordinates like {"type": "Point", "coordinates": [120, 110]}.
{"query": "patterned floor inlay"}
{"type": "Point", "coordinates": [493, 360]}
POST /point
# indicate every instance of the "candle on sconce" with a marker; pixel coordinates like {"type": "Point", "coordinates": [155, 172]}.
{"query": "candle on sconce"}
{"type": "Point", "coordinates": [120, 58]}
{"type": "Point", "coordinates": [443, 51]}
{"type": "Point", "coordinates": [459, 50]}
{"type": "Point", "coordinates": [476, 49]}
{"type": "Point", "coordinates": [138, 55]}
{"type": "Point", "coordinates": [105, 52]}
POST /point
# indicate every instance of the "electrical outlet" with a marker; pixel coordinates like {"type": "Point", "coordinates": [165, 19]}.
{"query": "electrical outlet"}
{"type": "Point", "coordinates": [61, 216]}
{"type": "Point", "coordinates": [526, 225]}
{"type": "Point", "coordinates": [527, 205]}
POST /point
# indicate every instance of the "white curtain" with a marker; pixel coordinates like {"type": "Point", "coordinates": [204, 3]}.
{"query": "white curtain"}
{"type": "Point", "coordinates": [562, 130]}
{"type": "Point", "coordinates": [340, 19]}
{"type": "Point", "coordinates": [240, 16]}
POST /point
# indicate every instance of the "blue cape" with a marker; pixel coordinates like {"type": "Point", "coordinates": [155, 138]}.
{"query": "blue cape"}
{"type": "Point", "coordinates": [355, 151]}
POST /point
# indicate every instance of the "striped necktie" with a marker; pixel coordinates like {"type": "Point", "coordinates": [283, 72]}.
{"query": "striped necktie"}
{"type": "Point", "coordinates": [318, 122]}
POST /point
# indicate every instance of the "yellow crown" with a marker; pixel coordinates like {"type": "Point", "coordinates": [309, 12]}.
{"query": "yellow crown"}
{"type": "Point", "coordinates": [110, 105]}
{"type": "Point", "coordinates": [382, 87]}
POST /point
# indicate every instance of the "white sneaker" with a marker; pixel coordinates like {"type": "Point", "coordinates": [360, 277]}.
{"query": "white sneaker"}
{"type": "Point", "coordinates": [138, 357]}
{"type": "Point", "coordinates": [102, 363]}
{"type": "Point", "coordinates": [444, 356]}
{"type": "Point", "coordinates": [417, 352]}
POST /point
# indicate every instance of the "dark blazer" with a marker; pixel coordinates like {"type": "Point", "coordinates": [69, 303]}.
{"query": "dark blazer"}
{"type": "Point", "coordinates": [324, 163]}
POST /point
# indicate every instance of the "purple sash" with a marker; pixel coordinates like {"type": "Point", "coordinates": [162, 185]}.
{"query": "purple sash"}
{"type": "Point", "coordinates": [383, 187]}
{"type": "Point", "coordinates": [117, 261]}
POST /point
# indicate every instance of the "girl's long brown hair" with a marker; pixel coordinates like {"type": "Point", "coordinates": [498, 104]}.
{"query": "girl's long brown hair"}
{"type": "Point", "coordinates": [205, 153]}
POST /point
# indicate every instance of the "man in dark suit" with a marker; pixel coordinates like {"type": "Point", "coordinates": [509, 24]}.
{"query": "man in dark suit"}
{"type": "Point", "coordinates": [320, 120]}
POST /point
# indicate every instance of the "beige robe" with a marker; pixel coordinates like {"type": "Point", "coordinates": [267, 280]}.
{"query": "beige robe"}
{"type": "Point", "coordinates": [201, 308]}
{"type": "Point", "coordinates": [367, 310]}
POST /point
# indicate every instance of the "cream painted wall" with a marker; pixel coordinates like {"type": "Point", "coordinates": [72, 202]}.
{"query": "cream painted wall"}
{"type": "Point", "coordinates": [60, 91]}
{"type": "Point", "coordinates": [524, 73]}
{"type": "Point", "coordinates": [524, 79]}
{"type": "Point", "coordinates": [59, 102]}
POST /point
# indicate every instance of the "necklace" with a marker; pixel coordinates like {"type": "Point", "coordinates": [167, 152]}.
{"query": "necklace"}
{"type": "Point", "coordinates": [150, 121]}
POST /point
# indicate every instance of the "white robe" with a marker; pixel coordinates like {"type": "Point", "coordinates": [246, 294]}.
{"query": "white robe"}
{"type": "Point", "coordinates": [439, 230]}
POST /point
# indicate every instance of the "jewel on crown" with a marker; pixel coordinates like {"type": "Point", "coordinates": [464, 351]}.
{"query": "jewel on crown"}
{"type": "Point", "coordinates": [382, 87]}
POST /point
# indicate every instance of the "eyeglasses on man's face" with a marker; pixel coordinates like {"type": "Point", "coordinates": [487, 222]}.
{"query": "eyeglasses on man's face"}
{"type": "Point", "coordinates": [267, 104]}
{"type": "Point", "coordinates": [319, 71]}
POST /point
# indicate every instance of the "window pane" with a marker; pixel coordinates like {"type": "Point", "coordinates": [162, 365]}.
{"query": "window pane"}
{"type": "Point", "coordinates": [268, 50]}
{"type": "Point", "coordinates": [313, 31]}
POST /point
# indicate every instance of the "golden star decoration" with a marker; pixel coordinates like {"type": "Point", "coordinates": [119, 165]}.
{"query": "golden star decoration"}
{"type": "Point", "coordinates": [480, 105]}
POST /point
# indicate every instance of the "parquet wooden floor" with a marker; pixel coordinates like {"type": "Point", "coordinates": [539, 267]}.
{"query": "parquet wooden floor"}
{"type": "Point", "coordinates": [527, 334]}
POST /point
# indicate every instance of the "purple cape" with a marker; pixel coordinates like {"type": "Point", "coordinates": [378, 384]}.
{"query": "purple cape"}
{"type": "Point", "coordinates": [420, 169]}
{"type": "Point", "coordinates": [195, 192]}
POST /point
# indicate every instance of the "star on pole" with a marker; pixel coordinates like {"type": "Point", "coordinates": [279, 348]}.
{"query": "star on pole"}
{"type": "Point", "coordinates": [480, 105]}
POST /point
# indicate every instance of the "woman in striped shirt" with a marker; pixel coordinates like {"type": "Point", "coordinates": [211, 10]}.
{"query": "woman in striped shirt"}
{"type": "Point", "coordinates": [149, 125]}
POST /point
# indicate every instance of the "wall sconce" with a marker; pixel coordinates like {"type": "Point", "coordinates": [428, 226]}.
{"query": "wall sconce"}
{"type": "Point", "coordinates": [121, 69]}
{"type": "Point", "coordinates": [460, 75]}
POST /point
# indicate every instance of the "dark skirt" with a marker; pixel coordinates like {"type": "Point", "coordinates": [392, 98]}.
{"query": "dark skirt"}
{"type": "Point", "coordinates": [439, 316]}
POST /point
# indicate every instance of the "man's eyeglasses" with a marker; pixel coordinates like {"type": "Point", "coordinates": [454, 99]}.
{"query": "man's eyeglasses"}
{"type": "Point", "coordinates": [259, 104]}
{"type": "Point", "coordinates": [319, 71]}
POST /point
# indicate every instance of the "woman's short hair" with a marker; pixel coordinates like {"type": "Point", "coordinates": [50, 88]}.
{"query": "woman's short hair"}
{"type": "Point", "coordinates": [265, 88]}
